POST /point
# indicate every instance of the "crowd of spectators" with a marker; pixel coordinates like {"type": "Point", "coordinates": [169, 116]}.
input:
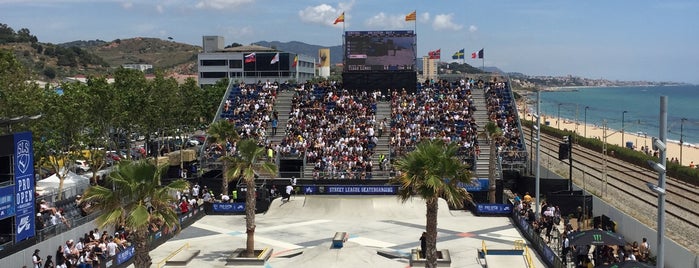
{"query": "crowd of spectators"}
{"type": "Point", "coordinates": [501, 110]}
{"type": "Point", "coordinates": [90, 250]}
{"type": "Point", "coordinates": [440, 110]}
{"type": "Point", "coordinates": [250, 107]}
{"type": "Point", "coordinates": [334, 129]}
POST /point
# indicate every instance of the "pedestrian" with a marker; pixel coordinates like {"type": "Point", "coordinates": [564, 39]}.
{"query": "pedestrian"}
{"type": "Point", "coordinates": [49, 262]}
{"type": "Point", "coordinates": [289, 188]}
{"type": "Point", "coordinates": [423, 244]}
{"type": "Point", "coordinates": [36, 259]}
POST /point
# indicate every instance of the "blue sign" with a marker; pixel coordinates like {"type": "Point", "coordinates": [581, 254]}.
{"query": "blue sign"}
{"type": "Point", "coordinates": [7, 203]}
{"type": "Point", "coordinates": [125, 255]}
{"type": "Point", "coordinates": [24, 186]}
{"type": "Point", "coordinates": [229, 207]}
{"type": "Point", "coordinates": [494, 208]}
{"type": "Point", "coordinates": [355, 189]}
{"type": "Point", "coordinates": [476, 185]}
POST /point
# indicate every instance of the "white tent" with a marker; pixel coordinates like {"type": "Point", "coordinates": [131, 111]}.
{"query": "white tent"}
{"type": "Point", "coordinates": [72, 183]}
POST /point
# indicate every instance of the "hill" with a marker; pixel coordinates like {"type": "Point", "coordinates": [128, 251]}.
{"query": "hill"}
{"type": "Point", "coordinates": [304, 49]}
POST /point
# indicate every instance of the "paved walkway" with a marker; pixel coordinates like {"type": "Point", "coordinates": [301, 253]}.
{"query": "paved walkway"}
{"type": "Point", "coordinates": [309, 223]}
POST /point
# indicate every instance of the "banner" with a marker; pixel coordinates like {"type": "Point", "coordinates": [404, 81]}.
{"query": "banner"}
{"type": "Point", "coordinates": [125, 255]}
{"type": "Point", "coordinates": [24, 186]}
{"type": "Point", "coordinates": [229, 207]}
{"type": "Point", "coordinates": [349, 189]}
{"type": "Point", "coordinates": [476, 185]}
{"type": "Point", "coordinates": [7, 203]}
{"type": "Point", "coordinates": [493, 208]}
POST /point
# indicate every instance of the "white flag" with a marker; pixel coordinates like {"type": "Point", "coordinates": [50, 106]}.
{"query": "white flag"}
{"type": "Point", "coordinates": [275, 59]}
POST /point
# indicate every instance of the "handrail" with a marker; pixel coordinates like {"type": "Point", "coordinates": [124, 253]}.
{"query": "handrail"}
{"type": "Point", "coordinates": [186, 245]}
{"type": "Point", "coordinates": [528, 256]}
{"type": "Point", "coordinates": [485, 250]}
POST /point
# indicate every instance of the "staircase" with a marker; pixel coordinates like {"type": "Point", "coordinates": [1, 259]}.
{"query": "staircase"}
{"type": "Point", "coordinates": [383, 110]}
{"type": "Point", "coordinates": [283, 107]}
{"type": "Point", "coordinates": [481, 117]}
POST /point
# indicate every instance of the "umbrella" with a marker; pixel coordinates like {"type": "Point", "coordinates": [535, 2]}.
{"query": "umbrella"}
{"type": "Point", "coordinates": [626, 264]}
{"type": "Point", "coordinates": [596, 237]}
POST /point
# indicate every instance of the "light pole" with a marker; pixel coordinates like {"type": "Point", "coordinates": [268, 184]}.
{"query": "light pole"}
{"type": "Point", "coordinates": [659, 144]}
{"type": "Point", "coordinates": [558, 122]}
{"type": "Point", "coordinates": [622, 128]}
{"type": "Point", "coordinates": [681, 138]}
{"type": "Point", "coordinates": [586, 107]}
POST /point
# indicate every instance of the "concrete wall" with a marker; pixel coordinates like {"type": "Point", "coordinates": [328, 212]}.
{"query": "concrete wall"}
{"type": "Point", "coordinates": [47, 247]}
{"type": "Point", "coordinates": [676, 256]}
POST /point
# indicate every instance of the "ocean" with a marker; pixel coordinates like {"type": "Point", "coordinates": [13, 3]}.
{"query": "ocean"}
{"type": "Point", "coordinates": [642, 106]}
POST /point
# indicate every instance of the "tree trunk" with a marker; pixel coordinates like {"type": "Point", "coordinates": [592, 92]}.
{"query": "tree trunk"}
{"type": "Point", "coordinates": [250, 216]}
{"type": "Point", "coordinates": [142, 256]}
{"type": "Point", "coordinates": [492, 162]}
{"type": "Point", "coordinates": [224, 178]}
{"type": "Point", "coordinates": [431, 229]}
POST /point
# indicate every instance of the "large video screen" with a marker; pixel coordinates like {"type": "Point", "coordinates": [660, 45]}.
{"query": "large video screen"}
{"type": "Point", "coordinates": [379, 51]}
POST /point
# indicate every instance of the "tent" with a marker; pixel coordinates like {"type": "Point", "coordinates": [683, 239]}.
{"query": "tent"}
{"type": "Point", "coordinates": [71, 181]}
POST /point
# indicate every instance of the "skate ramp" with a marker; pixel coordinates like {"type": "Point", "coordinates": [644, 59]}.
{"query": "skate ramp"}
{"type": "Point", "coordinates": [352, 207]}
{"type": "Point", "coordinates": [322, 256]}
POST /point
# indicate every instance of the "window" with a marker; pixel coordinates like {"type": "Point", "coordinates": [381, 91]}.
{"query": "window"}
{"type": "Point", "coordinates": [236, 74]}
{"type": "Point", "coordinates": [235, 64]}
{"type": "Point", "coordinates": [212, 74]}
{"type": "Point", "coordinates": [213, 62]}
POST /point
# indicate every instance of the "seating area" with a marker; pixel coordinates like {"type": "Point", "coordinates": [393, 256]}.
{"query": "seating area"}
{"type": "Point", "coordinates": [502, 111]}
{"type": "Point", "coordinates": [250, 108]}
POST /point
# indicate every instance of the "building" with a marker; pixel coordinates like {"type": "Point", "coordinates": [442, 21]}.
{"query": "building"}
{"type": "Point", "coordinates": [138, 66]}
{"type": "Point", "coordinates": [250, 64]}
{"type": "Point", "coordinates": [429, 68]}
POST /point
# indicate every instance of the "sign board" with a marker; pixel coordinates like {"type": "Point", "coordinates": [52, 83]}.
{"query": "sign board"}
{"type": "Point", "coordinates": [24, 186]}
{"type": "Point", "coordinates": [125, 255]}
{"type": "Point", "coordinates": [476, 185]}
{"type": "Point", "coordinates": [7, 202]}
{"type": "Point", "coordinates": [493, 208]}
{"type": "Point", "coordinates": [229, 207]}
{"type": "Point", "coordinates": [349, 189]}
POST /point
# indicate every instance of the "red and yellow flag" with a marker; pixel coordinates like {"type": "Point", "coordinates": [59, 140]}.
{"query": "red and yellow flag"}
{"type": "Point", "coordinates": [339, 19]}
{"type": "Point", "coordinates": [412, 16]}
{"type": "Point", "coordinates": [296, 61]}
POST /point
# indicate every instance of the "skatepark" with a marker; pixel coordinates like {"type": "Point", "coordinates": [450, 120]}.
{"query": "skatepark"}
{"type": "Point", "coordinates": [299, 232]}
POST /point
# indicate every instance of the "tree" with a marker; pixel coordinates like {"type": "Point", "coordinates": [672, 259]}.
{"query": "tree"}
{"type": "Point", "coordinates": [136, 199]}
{"type": "Point", "coordinates": [247, 163]}
{"type": "Point", "coordinates": [495, 136]}
{"type": "Point", "coordinates": [221, 132]}
{"type": "Point", "coordinates": [432, 171]}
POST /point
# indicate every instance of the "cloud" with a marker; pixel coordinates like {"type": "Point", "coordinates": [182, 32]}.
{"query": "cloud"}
{"type": "Point", "coordinates": [444, 22]}
{"type": "Point", "coordinates": [386, 21]}
{"type": "Point", "coordinates": [472, 28]}
{"type": "Point", "coordinates": [222, 4]}
{"type": "Point", "coordinates": [425, 16]}
{"type": "Point", "coordinates": [127, 5]}
{"type": "Point", "coordinates": [160, 9]}
{"type": "Point", "coordinates": [239, 32]}
{"type": "Point", "coordinates": [325, 14]}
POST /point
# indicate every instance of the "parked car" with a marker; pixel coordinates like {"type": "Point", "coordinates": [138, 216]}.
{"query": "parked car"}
{"type": "Point", "coordinates": [81, 166]}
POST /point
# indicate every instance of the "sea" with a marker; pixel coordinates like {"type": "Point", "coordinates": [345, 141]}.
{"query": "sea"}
{"type": "Point", "coordinates": [641, 103]}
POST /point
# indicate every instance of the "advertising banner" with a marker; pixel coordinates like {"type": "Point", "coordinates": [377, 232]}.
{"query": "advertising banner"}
{"type": "Point", "coordinates": [229, 207]}
{"type": "Point", "coordinates": [24, 186]}
{"type": "Point", "coordinates": [476, 185]}
{"type": "Point", "coordinates": [125, 255]}
{"type": "Point", "coordinates": [350, 189]}
{"type": "Point", "coordinates": [493, 208]}
{"type": "Point", "coordinates": [7, 203]}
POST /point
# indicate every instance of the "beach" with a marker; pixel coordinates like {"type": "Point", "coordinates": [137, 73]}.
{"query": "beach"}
{"type": "Point", "coordinates": [690, 152]}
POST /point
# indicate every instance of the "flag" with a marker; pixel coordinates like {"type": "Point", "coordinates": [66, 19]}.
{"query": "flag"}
{"type": "Point", "coordinates": [435, 55]}
{"type": "Point", "coordinates": [458, 55]}
{"type": "Point", "coordinates": [275, 59]}
{"type": "Point", "coordinates": [296, 61]}
{"type": "Point", "coordinates": [339, 19]}
{"type": "Point", "coordinates": [250, 58]}
{"type": "Point", "coordinates": [474, 55]}
{"type": "Point", "coordinates": [480, 54]}
{"type": "Point", "coordinates": [411, 17]}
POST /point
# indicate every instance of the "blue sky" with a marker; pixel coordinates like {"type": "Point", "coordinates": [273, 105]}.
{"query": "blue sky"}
{"type": "Point", "coordinates": [612, 39]}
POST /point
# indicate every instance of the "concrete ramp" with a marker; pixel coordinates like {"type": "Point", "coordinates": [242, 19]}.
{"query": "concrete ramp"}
{"type": "Point", "coordinates": [343, 207]}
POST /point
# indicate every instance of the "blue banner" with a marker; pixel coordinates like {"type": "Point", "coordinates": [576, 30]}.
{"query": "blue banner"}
{"type": "Point", "coordinates": [24, 186]}
{"type": "Point", "coordinates": [493, 208]}
{"type": "Point", "coordinates": [7, 203]}
{"type": "Point", "coordinates": [125, 255]}
{"type": "Point", "coordinates": [476, 185]}
{"type": "Point", "coordinates": [229, 207]}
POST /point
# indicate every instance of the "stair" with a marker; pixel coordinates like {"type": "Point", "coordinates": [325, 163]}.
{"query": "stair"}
{"type": "Point", "coordinates": [481, 117]}
{"type": "Point", "coordinates": [283, 107]}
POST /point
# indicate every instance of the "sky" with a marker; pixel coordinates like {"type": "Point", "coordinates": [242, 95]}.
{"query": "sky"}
{"type": "Point", "coordinates": [610, 39]}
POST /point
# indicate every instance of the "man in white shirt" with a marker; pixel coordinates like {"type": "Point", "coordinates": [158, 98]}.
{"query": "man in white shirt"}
{"type": "Point", "coordinates": [111, 248]}
{"type": "Point", "coordinates": [195, 190]}
{"type": "Point", "coordinates": [289, 188]}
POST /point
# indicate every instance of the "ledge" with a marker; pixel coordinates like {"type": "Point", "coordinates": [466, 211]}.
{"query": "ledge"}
{"type": "Point", "coordinates": [443, 258]}
{"type": "Point", "coordinates": [261, 257]}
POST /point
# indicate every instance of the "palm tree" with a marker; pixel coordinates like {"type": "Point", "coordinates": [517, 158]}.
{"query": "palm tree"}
{"type": "Point", "coordinates": [136, 199]}
{"type": "Point", "coordinates": [221, 132]}
{"type": "Point", "coordinates": [433, 171]}
{"type": "Point", "coordinates": [494, 136]}
{"type": "Point", "coordinates": [247, 164]}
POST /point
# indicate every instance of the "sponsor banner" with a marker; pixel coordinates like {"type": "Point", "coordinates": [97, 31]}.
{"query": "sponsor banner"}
{"type": "Point", "coordinates": [476, 185]}
{"type": "Point", "coordinates": [349, 189]}
{"type": "Point", "coordinates": [229, 207]}
{"type": "Point", "coordinates": [24, 186]}
{"type": "Point", "coordinates": [7, 203]}
{"type": "Point", "coordinates": [493, 208]}
{"type": "Point", "coordinates": [125, 255]}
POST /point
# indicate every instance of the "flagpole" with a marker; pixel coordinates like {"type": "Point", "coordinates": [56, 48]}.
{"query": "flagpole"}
{"type": "Point", "coordinates": [415, 45]}
{"type": "Point", "coordinates": [483, 59]}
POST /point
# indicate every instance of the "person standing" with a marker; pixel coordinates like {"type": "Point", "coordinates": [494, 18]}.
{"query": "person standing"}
{"type": "Point", "coordinates": [195, 191]}
{"type": "Point", "coordinates": [36, 260]}
{"type": "Point", "coordinates": [423, 245]}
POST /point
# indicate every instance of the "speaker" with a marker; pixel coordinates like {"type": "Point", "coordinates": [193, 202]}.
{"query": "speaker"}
{"type": "Point", "coordinates": [563, 151]}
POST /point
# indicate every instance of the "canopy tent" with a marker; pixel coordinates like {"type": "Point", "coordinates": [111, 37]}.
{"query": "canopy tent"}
{"type": "Point", "coordinates": [72, 184]}
{"type": "Point", "coordinates": [596, 237]}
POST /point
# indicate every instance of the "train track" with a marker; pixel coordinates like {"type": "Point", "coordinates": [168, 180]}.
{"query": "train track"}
{"type": "Point", "coordinates": [630, 181]}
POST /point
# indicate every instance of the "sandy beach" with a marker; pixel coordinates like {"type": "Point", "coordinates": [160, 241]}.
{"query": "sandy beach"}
{"type": "Point", "coordinates": [690, 153]}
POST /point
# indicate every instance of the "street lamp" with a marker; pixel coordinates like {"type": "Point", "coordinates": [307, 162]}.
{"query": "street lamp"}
{"type": "Point", "coordinates": [586, 107]}
{"type": "Point", "coordinates": [558, 122]}
{"type": "Point", "coordinates": [659, 144]}
{"type": "Point", "coordinates": [681, 138]}
{"type": "Point", "coordinates": [622, 128]}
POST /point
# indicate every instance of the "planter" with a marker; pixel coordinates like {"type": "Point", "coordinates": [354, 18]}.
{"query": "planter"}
{"type": "Point", "coordinates": [443, 258]}
{"type": "Point", "coordinates": [238, 258]}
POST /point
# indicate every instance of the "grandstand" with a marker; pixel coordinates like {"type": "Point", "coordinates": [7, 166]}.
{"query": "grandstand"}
{"type": "Point", "coordinates": [332, 133]}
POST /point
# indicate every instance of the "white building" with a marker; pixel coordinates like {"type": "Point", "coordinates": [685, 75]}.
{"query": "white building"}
{"type": "Point", "coordinates": [429, 68]}
{"type": "Point", "coordinates": [137, 66]}
{"type": "Point", "coordinates": [250, 64]}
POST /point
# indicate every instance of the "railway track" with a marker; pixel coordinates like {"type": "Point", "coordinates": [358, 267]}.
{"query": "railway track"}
{"type": "Point", "coordinates": [625, 184]}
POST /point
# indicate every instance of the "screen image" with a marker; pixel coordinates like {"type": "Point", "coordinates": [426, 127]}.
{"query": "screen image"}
{"type": "Point", "coordinates": [379, 51]}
